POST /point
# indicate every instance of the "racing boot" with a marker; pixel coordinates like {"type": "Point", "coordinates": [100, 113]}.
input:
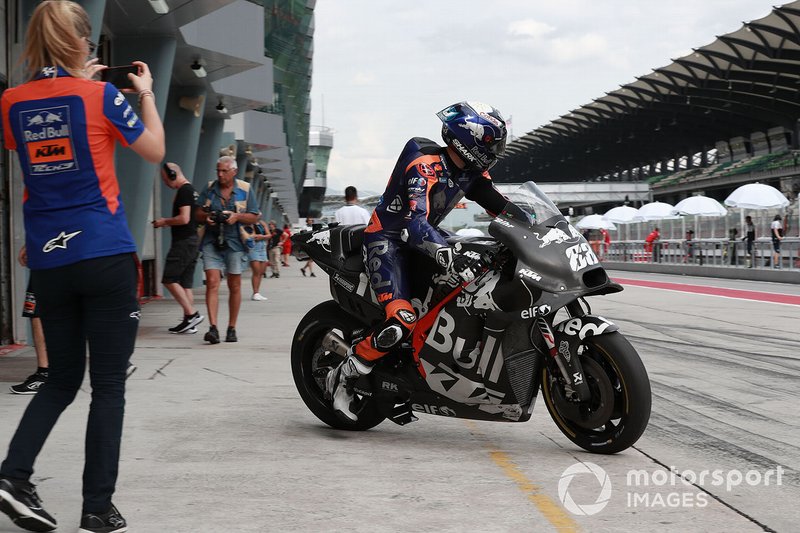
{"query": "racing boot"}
{"type": "Point", "coordinates": [339, 383]}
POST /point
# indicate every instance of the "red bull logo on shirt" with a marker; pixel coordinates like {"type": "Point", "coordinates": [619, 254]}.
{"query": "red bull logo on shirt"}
{"type": "Point", "coordinates": [46, 133]}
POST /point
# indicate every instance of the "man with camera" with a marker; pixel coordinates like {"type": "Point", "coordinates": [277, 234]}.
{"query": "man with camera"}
{"type": "Point", "coordinates": [225, 206]}
{"type": "Point", "coordinates": [179, 266]}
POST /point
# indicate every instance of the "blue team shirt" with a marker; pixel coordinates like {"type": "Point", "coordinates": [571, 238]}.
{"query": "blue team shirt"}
{"type": "Point", "coordinates": [64, 131]}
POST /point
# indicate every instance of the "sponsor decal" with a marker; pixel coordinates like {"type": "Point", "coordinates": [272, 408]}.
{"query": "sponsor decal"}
{"type": "Point", "coordinates": [576, 326]}
{"type": "Point", "coordinates": [433, 409]}
{"type": "Point", "coordinates": [133, 120]}
{"type": "Point", "coordinates": [374, 263]}
{"type": "Point", "coordinates": [136, 314]}
{"type": "Point", "coordinates": [463, 152]}
{"type": "Point", "coordinates": [407, 316]}
{"type": "Point", "coordinates": [59, 242]}
{"type": "Point", "coordinates": [581, 256]}
{"type": "Point", "coordinates": [347, 284]}
{"type": "Point", "coordinates": [49, 72]}
{"type": "Point", "coordinates": [555, 235]}
{"type": "Point", "coordinates": [389, 386]}
{"type": "Point", "coordinates": [450, 183]}
{"type": "Point", "coordinates": [322, 238]}
{"type": "Point", "coordinates": [507, 224]}
{"type": "Point", "coordinates": [474, 128]}
{"type": "Point", "coordinates": [119, 99]}
{"type": "Point", "coordinates": [527, 273]}
{"type": "Point", "coordinates": [426, 170]}
{"type": "Point", "coordinates": [396, 206]}
{"type": "Point", "coordinates": [577, 378]}
{"type": "Point", "coordinates": [444, 256]}
{"type": "Point", "coordinates": [563, 349]}
{"type": "Point", "coordinates": [532, 312]}
{"type": "Point", "coordinates": [385, 296]}
{"type": "Point", "coordinates": [489, 118]}
{"type": "Point", "coordinates": [46, 133]}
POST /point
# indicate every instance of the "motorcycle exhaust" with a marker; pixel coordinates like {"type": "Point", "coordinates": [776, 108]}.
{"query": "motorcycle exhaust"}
{"type": "Point", "coordinates": [334, 343]}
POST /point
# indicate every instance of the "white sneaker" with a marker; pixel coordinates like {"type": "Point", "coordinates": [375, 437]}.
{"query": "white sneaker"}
{"type": "Point", "coordinates": [337, 384]}
{"type": "Point", "coordinates": [259, 298]}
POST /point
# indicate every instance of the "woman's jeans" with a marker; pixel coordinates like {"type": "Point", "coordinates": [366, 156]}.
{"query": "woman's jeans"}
{"type": "Point", "coordinates": [92, 301]}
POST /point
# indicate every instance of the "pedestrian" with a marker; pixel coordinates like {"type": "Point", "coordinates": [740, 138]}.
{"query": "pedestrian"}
{"type": "Point", "coordinates": [178, 277]}
{"type": "Point", "coordinates": [423, 188]}
{"type": "Point", "coordinates": [308, 268]}
{"type": "Point", "coordinates": [652, 244]}
{"type": "Point", "coordinates": [84, 273]}
{"type": "Point", "coordinates": [33, 382]}
{"type": "Point", "coordinates": [749, 239]}
{"type": "Point", "coordinates": [287, 245]}
{"type": "Point", "coordinates": [224, 205]}
{"type": "Point", "coordinates": [689, 247]}
{"type": "Point", "coordinates": [776, 232]}
{"type": "Point", "coordinates": [605, 242]}
{"type": "Point", "coordinates": [275, 249]}
{"type": "Point", "coordinates": [351, 212]}
{"type": "Point", "coordinates": [258, 258]}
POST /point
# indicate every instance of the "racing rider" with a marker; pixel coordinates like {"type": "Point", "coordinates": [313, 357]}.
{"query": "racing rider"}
{"type": "Point", "coordinates": [426, 184]}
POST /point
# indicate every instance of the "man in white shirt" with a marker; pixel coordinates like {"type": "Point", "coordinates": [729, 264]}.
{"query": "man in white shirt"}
{"type": "Point", "coordinates": [351, 212]}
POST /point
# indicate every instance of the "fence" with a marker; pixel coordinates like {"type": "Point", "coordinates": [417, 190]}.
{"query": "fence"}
{"type": "Point", "coordinates": [708, 252]}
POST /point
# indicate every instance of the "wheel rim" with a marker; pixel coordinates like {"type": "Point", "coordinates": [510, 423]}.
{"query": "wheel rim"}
{"type": "Point", "coordinates": [604, 415]}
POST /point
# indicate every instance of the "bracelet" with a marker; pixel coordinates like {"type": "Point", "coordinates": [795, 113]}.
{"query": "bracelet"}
{"type": "Point", "coordinates": [145, 92]}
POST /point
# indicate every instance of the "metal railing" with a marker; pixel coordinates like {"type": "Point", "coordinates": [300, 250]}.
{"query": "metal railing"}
{"type": "Point", "coordinates": [708, 252]}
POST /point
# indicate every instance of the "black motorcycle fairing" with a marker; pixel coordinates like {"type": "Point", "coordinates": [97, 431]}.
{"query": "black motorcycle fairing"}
{"type": "Point", "coordinates": [336, 248]}
{"type": "Point", "coordinates": [574, 331]}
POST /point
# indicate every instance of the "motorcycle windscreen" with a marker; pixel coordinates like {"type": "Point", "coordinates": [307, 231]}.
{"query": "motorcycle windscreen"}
{"type": "Point", "coordinates": [553, 255]}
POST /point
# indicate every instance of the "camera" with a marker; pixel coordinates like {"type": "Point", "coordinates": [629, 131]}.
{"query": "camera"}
{"type": "Point", "coordinates": [219, 217]}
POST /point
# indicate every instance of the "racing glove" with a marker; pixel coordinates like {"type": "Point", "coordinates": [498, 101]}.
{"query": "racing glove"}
{"type": "Point", "coordinates": [459, 265]}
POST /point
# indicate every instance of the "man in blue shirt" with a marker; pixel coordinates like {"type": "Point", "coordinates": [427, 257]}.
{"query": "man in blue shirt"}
{"type": "Point", "coordinates": [225, 206]}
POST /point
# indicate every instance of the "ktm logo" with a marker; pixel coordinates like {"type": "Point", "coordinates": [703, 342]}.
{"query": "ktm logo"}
{"type": "Point", "coordinates": [50, 150]}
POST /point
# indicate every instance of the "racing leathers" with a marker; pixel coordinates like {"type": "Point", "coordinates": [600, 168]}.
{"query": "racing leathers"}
{"type": "Point", "coordinates": [424, 187]}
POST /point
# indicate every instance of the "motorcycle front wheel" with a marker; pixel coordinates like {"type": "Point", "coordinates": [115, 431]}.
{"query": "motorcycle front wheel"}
{"type": "Point", "coordinates": [311, 363]}
{"type": "Point", "coordinates": [618, 411]}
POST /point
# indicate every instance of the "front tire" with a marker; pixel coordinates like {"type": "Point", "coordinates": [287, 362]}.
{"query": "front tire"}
{"type": "Point", "coordinates": [310, 363]}
{"type": "Point", "coordinates": [619, 409]}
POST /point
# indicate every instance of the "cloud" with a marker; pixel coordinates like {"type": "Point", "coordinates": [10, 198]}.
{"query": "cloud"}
{"type": "Point", "coordinates": [529, 28]}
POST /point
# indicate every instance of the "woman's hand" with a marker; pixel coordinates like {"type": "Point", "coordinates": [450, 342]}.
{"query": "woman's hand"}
{"type": "Point", "coordinates": [144, 80]}
{"type": "Point", "coordinates": [92, 68]}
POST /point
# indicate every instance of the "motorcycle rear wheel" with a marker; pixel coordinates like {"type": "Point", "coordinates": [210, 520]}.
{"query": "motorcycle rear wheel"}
{"type": "Point", "coordinates": [310, 363]}
{"type": "Point", "coordinates": [619, 410]}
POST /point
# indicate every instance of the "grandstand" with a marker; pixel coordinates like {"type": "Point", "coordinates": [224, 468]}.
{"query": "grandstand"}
{"type": "Point", "coordinates": [724, 115]}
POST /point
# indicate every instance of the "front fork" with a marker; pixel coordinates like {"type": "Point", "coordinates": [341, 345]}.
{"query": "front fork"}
{"type": "Point", "coordinates": [575, 386]}
{"type": "Point", "coordinates": [563, 341]}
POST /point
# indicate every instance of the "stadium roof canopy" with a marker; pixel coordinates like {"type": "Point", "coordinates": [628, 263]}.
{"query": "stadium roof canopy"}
{"type": "Point", "coordinates": [743, 82]}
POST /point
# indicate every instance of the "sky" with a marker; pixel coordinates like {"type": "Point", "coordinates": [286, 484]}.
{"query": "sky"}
{"type": "Point", "coordinates": [382, 69]}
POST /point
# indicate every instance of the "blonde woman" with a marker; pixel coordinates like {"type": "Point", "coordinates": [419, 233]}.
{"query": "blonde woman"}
{"type": "Point", "coordinates": [64, 127]}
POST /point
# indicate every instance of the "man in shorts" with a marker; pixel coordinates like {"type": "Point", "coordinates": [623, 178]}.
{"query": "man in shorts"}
{"type": "Point", "coordinates": [181, 259]}
{"type": "Point", "coordinates": [224, 206]}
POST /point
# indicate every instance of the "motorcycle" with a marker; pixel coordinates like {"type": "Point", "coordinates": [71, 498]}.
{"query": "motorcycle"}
{"type": "Point", "coordinates": [482, 350]}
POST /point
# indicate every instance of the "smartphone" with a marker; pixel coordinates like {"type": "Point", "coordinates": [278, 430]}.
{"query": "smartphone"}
{"type": "Point", "coordinates": [119, 76]}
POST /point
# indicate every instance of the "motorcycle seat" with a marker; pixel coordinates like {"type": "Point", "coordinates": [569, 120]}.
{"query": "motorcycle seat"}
{"type": "Point", "coordinates": [346, 242]}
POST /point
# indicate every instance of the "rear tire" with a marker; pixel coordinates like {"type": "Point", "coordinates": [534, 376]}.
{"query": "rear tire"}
{"type": "Point", "coordinates": [619, 410]}
{"type": "Point", "coordinates": [310, 363]}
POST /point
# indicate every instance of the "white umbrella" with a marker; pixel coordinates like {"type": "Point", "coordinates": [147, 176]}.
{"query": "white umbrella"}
{"type": "Point", "coordinates": [757, 196]}
{"type": "Point", "coordinates": [469, 232]}
{"type": "Point", "coordinates": [595, 222]}
{"type": "Point", "coordinates": [701, 206]}
{"type": "Point", "coordinates": [654, 211]}
{"type": "Point", "coordinates": [621, 215]}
